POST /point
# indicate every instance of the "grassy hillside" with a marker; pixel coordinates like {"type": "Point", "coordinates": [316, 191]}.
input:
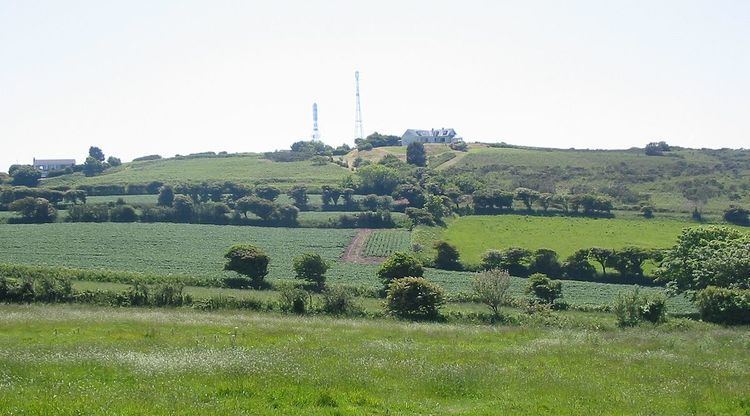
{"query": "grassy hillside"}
{"type": "Point", "coordinates": [62, 359]}
{"type": "Point", "coordinates": [473, 235]}
{"type": "Point", "coordinates": [561, 170]}
{"type": "Point", "coordinates": [248, 169]}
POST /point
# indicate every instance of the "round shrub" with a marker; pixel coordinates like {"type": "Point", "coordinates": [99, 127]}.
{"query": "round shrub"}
{"type": "Point", "coordinates": [249, 261]}
{"type": "Point", "coordinates": [544, 288]}
{"type": "Point", "coordinates": [339, 301]}
{"type": "Point", "coordinates": [633, 307]}
{"type": "Point", "coordinates": [414, 298]}
{"type": "Point", "coordinates": [311, 268]}
{"type": "Point", "coordinates": [446, 256]}
{"type": "Point", "coordinates": [399, 265]}
{"type": "Point", "coordinates": [725, 306]}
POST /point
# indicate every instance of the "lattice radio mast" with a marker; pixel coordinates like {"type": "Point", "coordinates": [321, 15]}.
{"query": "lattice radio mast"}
{"type": "Point", "coordinates": [358, 129]}
{"type": "Point", "coordinates": [316, 132]}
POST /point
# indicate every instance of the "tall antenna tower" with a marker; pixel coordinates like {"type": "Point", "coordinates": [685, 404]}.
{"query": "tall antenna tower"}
{"type": "Point", "coordinates": [316, 132]}
{"type": "Point", "coordinates": [358, 129]}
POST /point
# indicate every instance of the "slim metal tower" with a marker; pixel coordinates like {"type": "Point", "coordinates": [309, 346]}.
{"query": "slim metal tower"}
{"type": "Point", "coordinates": [358, 129]}
{"type": "Point", "coordinates": [316, 132]}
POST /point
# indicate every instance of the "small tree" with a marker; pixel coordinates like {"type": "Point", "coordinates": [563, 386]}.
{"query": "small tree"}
{"type": "Point", "coordinates": [92, 166]}
{"type": "Point", "coordinates": [114, 161]}
{"type": "Point", "coordinates": [527, 196]}
{"type": "Point", "coordinates": [577, 266]}
{"type": "Point", "coordinates": [545, 261]}
{"type": "Point", "coordinates": [647, 211]}
{"type": "Point", "coordinates": [632, 307]}
{"type": "Point", "coordinates": [36, 210]}
{"type": "Point", "coordinates": [415, 154]}
{"type": "Point", "coordinates": [414, 298]}
{"type": "Point", "coordinates": [166, 196]}
{"type": "Point", "coordinates": [299, 195]}
{"type": "Point", "coordinates": [435, 205]}
{"type": "Point", "coordinates": [491, 288]}
{"type": "Point", "coordinates": [268, 192]}
{"type": "Point", "coordinates": [399, 265]}
{"type": "Point", "coordinates": [25, 176]}
{"type": "Point", "coordinates": [183, 208]}
{"type": "Point", "coordinates": [262, 208]}
{"type": "Point", "coordinates": [544, 288]}
{"type": "Point", "coordinates": [737, 215]}
{"type": "Point", "coordinates": [446, 256]}
{"type": "Point", "coordinates": [602, 256]}
{"type": "Point", "coordinates": [96, 153]}
{"type": "Point", "coordinates": [311, 268]}
{"type": "Point", "coordinates": [248, 260]}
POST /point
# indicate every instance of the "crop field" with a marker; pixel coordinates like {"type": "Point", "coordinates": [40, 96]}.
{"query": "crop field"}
{"type": "Point", "coordinates": [197, 250]}
{"type": "Point", "coordinates": [473, 235]}
{"type": "Point", "coordinates": [66, 360]}
{"type": "Point", "coordinates": [383, 243]}
{"type": "Point", "coordinates": [248, 169]}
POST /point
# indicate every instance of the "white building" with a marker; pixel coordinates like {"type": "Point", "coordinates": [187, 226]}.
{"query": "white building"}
{"type": "Point", "coordinates": [429, 136]}
{"type": "Point", "coordinates": [47, 165]}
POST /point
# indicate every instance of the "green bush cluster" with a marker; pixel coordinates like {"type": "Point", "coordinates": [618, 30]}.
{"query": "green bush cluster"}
{"type": "Point", "coordinates": [634, 307]}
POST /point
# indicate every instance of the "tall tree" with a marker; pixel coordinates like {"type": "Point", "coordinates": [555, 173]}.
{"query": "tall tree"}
{"type": "Point", "coordinates": [96, 153]}
{"type": "Point", "coordinates": [415, 154]}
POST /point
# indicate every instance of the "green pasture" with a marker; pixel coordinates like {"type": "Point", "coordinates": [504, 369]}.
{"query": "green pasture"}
{"type": "Point", "coordinates": [67, 360]}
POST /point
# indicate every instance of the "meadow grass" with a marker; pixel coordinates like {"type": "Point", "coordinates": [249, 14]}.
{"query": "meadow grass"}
{"type": "Point", "coordinates": [67, 360]}
{"type": "Point", "coordinates": [248, 169]}
{"type": "Point", "coordinates": [474, 235]}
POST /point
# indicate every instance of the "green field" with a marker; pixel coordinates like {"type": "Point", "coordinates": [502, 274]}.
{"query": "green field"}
{"type": "Point", "coordinates": [66, 360]}
{"type": "Point", "coordinates": [196, 250]}
{"type": "Point", "coordinates": [383, 243]}
{"type": "Point", "coordinates": [249, 169]}
{"type": "Point", "coordinates": [476, 234]}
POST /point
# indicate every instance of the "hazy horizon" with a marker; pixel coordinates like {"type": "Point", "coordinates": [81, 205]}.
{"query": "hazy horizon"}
{"type": "Point", "coordinates": [166, 78]}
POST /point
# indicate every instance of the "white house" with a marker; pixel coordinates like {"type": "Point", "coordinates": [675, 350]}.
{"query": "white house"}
{"type": "Point", "coordinates": [47, 165]}
{"type": "Point", "coordinates": [429, 136]}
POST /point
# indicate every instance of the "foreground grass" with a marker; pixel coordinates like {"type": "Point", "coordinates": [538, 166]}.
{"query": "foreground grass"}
{"type": "Point", "coordinates": [69, 360]}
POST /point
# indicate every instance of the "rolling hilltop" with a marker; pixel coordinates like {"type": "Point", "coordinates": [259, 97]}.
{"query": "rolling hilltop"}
{"type": "Point", "coordinates": [630, 177]}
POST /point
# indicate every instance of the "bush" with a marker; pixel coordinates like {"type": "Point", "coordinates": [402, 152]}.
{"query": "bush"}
{"type": "Point", "coordinates": [737, 215]}
{"type": "Point", "coordinates": [35, 210]}
{"type": "Point", "coordinates": [340, 301]}
{"type": "Point", "coordinates": [249, 261]}
{"type": "Point", "coordinates": [545, 261]}
{"type": "Point", "coordinates": [446, 256]}
{"type": "Point", "coordinates": [399, 265]}
{"type": "Point", "coordinates": [414, 298]}
{"type": "Point", "coordinates": [123, 213]}
{"type": "Point", "coordinates": [513, 260]}
{"type": "Point", "coordinates": [166, 196]}
{"type": "Point", "coordinates": [632, 307]}
{"type": "Point", "coordinates": [724, 306]}
{"type": "Point", "coordinates": [492, 259]}
{"type": "Point", "coordinates": [311, 268]}
{"type": "Point", "coordinates": [293, 299]}
{"type": "Point", "coordinates": [491, 288]}
{"type": "Point", "coordinates": [544, 288]}
{"type": "Point", "coordinates": [237, 282]}
{"type": "Point", "coordinates": [577, 266]}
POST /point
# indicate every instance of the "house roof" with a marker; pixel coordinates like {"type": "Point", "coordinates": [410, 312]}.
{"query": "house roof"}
{"type": "Point", "coordinates": [431, 133]}
{"type": "Point", "coordinates": [54, 161]}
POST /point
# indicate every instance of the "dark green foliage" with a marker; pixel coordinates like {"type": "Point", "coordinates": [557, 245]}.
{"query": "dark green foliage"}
{"type": "Point", "coordinates": [96, 153]}
{"type": "Point", "coordinates": [527, 197]}
{"type": "Point", "coordinates": [603, 256]}
{"type": "Point", "coordinates": [488, 201]}
{"type": "Point", "coordinates": [74, 196]}
{"type": "Point", "coordinates": [446, 256]}
{"type": "Point", "coordinates": [724, 306]}
{"type": "Point", "coordinates": [544, 288]}
{"type": "Point", "coordinates": [414, 298]}
{"type": "Point", "coordinates": [114, 161]}
{"type": "Point", "coordinates": [737, 215]}
{"type": "Point", "coordinates": [647, 211]}
{"type": "Point", "coordinates": [629, 260]}
{"type": "Point", "coordinates": [183, 208]}
{"type": "Point", "coordinates": [415, 154]}
{"type": "Point", "coordinates": [34, 210]}
{"type": "Point", "coordinates": [88, 213]}
{"type": "Point", "coordinates": [656, 148]}
{"type": "Point", "coordinates": [339, 301]}
{"type": "Point", "coordinates": [330, 195]}
{"type": "Point", "coordinates": [378, 179]}
{"type": "Point", "coordinates": [268, 192]}
{"type": "Point", "coordinates": [437, 206]}
{"type": "Point", "coordinates": [420, 217]}
{"type": "Point", "coordinates": [545, 261]}
{"type": "Point", "coordinates": [299, 195]}
{"type": "Point", "coordinates": [25, 176]}
{"type": "Point", "coordinates": [166, 196]}
{"type": "Point", "coordinates": [377, 140]}
{"type": "Point", "coordinates": [92, 166]}
{"type": "Point", "coordinates": [399, 265]}
{"type": "Point", "coordinates": [263, 208]}
{"type": "Point", "coordinates": [285, 215]}
{"type": "Point", "coordinates": [211, 213]}
{"type": "Point", "coordinates": [123, 213]}
{"type": "Point", "coordinates": [412, 193]}
{"type": "Point", "coordinates": [707, 256]}
{"type": "Point", "coordinates": [311, 268]}
{"type": "Point", "coordinates": [633, 307]}
{"type": "Point", "coordinates": [237, 282]}
{"type": "Point", "coordinates": [249, 261]}
{"type": "Point", "coordinates": [577, 266]}
{"type": "Point", "coordinates": [293, 299]}
{"type": "Point", "coordinates": [459, 146]}
{"type": "Point", "coordinates": [48, 289]}
{"type": "Point", "coordinates": [514, 260]}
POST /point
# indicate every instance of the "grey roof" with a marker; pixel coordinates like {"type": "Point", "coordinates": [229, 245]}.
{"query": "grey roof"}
{"type": "Point", "coordinates": [54, 161]}
{"type": "Point", "coordinates": [431, 133]}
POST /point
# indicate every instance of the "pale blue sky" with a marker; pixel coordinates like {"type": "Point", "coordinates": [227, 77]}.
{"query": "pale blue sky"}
{"type": "Point", "coordinates": [143, 77]}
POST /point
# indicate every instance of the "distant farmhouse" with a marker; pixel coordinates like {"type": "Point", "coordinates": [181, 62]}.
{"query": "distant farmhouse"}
{"type": "Point", "coordinates": [48, 165]}
{"type": "Point", "coordinates": [429, 136]}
